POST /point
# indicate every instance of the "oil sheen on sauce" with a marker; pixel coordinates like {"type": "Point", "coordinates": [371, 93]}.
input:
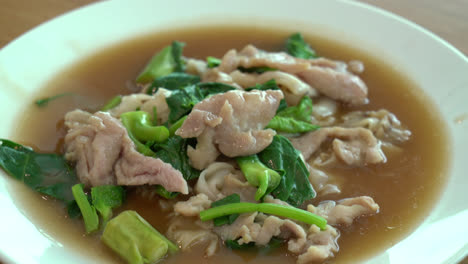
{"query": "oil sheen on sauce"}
{"type": "Point", "coordinates": [405, 187]}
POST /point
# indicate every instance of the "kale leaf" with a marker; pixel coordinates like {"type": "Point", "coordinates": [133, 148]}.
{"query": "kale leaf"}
{"type": "Point", "coordinates": [297, 47]}
{"type": "Point", "coordinates": [48, 174]}
{"type": "Point", "coordinates": [282, 157]}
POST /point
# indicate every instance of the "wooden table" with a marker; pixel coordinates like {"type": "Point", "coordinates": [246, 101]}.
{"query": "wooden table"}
{"type": "Point", "coordinates": [448, 19]}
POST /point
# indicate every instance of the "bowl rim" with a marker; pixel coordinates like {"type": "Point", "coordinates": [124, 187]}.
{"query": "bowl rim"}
{"type": "Point", "coordinates": [11, 48]}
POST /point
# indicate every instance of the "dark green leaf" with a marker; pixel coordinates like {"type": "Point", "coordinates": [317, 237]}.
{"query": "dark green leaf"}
{"type": "Point", "coordinates": [227, 219]}
{"type": "Point", "coordinates": [182, 101]}
{"type": "Point", "coordinates": [73, 210]}
{"type": "Point", "coordinates": [161, 191]}
{"type": "Point", "coordinates": [297, 47]}
{"type": "Point", "coordinates": [174, 152]}
{"type": "Point", "coordinates": [301, 112]}
{"type": "Point", "coordinates": [294, 186]}
{"type": "Point", "coordinates": [260, 69]}
{"type": "Point", "coordinates": [46, 173]}
{"type": "Point", "coordinates": [232, 244]}
{"type": "Point", "coordinates": [211, 88]}
{"type": "Point", "coordinates": [173, 81]}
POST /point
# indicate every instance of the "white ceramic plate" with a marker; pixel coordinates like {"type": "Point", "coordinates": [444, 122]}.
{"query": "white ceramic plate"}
{"type": "Point", "coordinates": [29, 62]}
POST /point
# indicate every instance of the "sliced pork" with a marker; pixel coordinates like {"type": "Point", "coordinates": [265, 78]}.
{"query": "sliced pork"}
{"type": "Point", "coordinates": [330, 78]}
{"type": "Point", "coordinates": [104, 154]}
{"type": "Point", "coordinates": [345, 211]}
{"type": "Point", "coordinates": [353, 146]}
{"type": "Point", "coordinates": [238, 119]}
{"type": "Point", "coordinates": [383, 124]}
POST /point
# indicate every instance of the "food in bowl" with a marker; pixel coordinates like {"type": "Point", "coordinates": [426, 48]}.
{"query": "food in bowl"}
{"type": "Point", "coordinates": [268, 148]}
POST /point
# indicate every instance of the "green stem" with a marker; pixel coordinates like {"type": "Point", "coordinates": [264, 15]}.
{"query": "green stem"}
{"type": "Point", "coordinates": [267, 208]}
{"type": "Point", "coordinates": [115, 101]}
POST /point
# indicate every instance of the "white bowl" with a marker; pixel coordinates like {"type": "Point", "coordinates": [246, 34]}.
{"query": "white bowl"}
{"type": "Point", "coordinates": [29, 62]}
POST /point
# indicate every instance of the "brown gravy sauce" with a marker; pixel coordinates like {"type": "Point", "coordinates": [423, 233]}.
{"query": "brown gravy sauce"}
{"type": "Point", "coordinates": [406, 187]}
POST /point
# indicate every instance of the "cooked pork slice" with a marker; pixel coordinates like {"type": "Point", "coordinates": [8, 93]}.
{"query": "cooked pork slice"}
{"type": "Point", "coordinates": [195, 67]}
{"type": "Point", "coordinates": [133, 168]}
{"type": "Point", "coordinates": [338, 85]}
{"type": "Point", "coordinates": [193, 206]}
{"type": "Point", "coordinates": [383, 124]}
{"type": "Point", "coordinates": [104, 154]}
{"type": "Point", "coordinates": [250, 57]}
{"type": "Point", "coordinates": [215, 75]}
{"type": "Point", "coordinates": [93, 141]}
{"type": "Point", "coordinates": [293, 88]}
{"type": "Point", "coordinates": [238, 119]}
{"type": "Point", "coordinates": [259, 228]}
{"type": "Point", "coordinates": [129, 103]}
{"type": "Point", "coordinates": [356, 66]}
{"type": "Point", "coordinates": [344, 212]}
{"type": "Point", "coordinates": [321, 245]}
{"type": "Point", "coordinates": [353, 146]}
{"type": "Point", "coordinates": [330, 78]}
{"type": "Point", "coordinates": [145, 103]}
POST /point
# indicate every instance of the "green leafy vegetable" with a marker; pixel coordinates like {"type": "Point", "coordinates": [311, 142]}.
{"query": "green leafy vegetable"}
{"type": "Point", "coordinates": [302, 111]}
{"type": "Point", "coordinates": [233, 244]}
{"type": "Point", "coordinates": [182, 101]}
{"type": "Point", "coordinates": [173, 81]}
{"type": "Point", "coordinates": [297, 47]}
{"type": "Point", "coordinates": [44, 101]}
{"type": "Point", "coordinates": [161, 191]}
{"type": "Point", "coordinates": [258, 175]}
{"type": "Point", "coordinates": [141, 130]}
{"type": "Point", "coordinates": [290, 125]}
{"type": "Point", "coordinates": [90, 216]}
{"type": "Point", "coordinates": [294, 119]}
{"type": "Point", "coordinates": [135, 240]}
{"type": "Point", "coordinates": [267, 208]}
{"type": "Point", "coordinates": [107, 197]}
{"type": "Point", "coordinates": [282, 157]}
{"type": "Point", "coordinates": [260, 69]}
{"type": "Point", "coordinates": [269, 85]}
{"type": "Point", "coordinates": [227, 219]}
{"type": "Point", "coordinates": [49, 174]}
{"type": "Point", "coordinates": [168, 60]}
{"type": "Point", "coordinates": [212, 62]}
{"type": "Point", "coordinates": [174, 152]}
{"type": "Point", "coordinates": [115, 101]}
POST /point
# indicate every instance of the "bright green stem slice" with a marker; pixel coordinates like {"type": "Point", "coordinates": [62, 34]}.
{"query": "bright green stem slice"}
{"type": "Point", "coordinates": [90, 216]}
{"type": "Point", "coordinates": [113, 102]}
{"type": "Point", "coordinates": [267, 208]}
{"type": "Point", "coordinates": [135, 240]}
